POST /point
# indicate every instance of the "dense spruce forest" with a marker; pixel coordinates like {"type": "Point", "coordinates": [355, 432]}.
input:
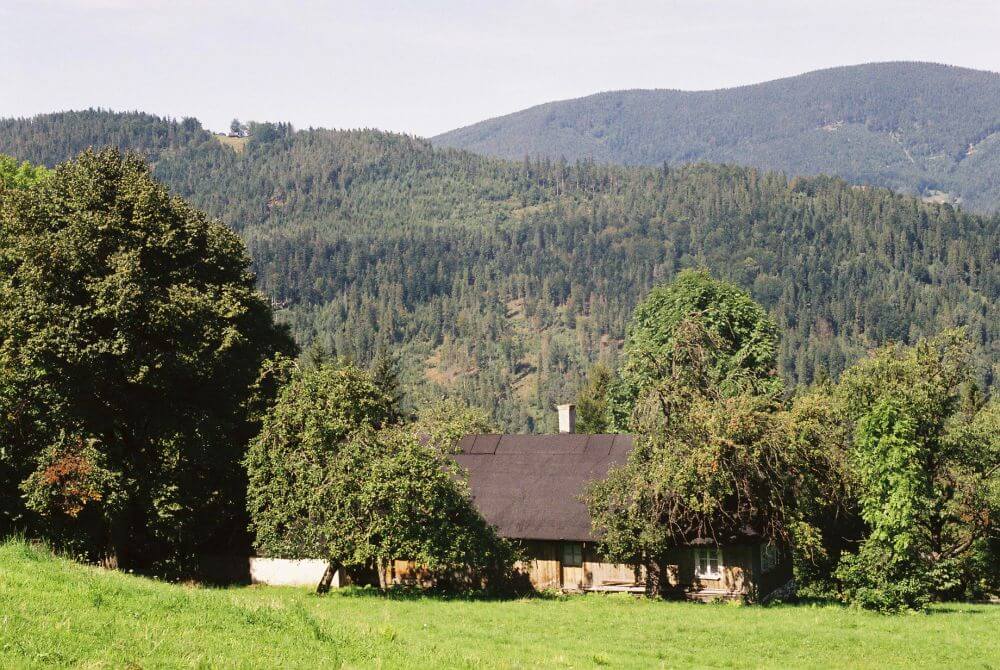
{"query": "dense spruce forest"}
{"type": "Point", "coordinates": [503, 281]}
{"type": "Point", "coordinates": [920, 128]}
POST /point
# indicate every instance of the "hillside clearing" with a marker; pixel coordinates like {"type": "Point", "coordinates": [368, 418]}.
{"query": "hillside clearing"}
{"type": "Point", "coordinates": [56, 613]}
{"type": "Point", "coordinates": [237, 144]}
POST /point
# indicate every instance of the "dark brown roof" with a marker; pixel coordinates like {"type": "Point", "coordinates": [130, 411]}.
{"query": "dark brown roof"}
{"type": "Point", "coordinates": [529, 486]}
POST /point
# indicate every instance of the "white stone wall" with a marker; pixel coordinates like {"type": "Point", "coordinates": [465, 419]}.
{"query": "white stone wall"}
{"type": "Point", "coordinates": [288, 572]}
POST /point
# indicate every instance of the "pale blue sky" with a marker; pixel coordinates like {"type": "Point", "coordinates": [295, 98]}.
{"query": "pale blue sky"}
{"type": "Point", "coordinates": [426, 67]}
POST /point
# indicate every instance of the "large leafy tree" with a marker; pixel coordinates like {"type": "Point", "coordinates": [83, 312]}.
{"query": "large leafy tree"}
{"type": "Point", "coordinates": [718, 457]}
{"type": "Point", "coordinates": [710, 462]}
{"type": "Point", "coordinates": [288, 462]}
{"type": "Point", "coordinates": [743, 352]}
{"type": "Point", "coordinates": [130, 338]}
{"type": "Point", "coordinates": [325, 481]}
{"type": "Point", "coordinates": [389, 496]}
{"type": "Point", "coordinates": [925, 463]}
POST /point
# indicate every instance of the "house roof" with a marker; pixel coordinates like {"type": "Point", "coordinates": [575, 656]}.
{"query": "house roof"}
{"type": "Point", "coordinates": [530, 486]}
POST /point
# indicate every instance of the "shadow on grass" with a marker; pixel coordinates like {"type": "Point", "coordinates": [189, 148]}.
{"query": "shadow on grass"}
{"type": "Point", "coordinates": [414, 593]}
{"type": "Point", "coordinates": [935, 609]}
{"type": "Point", "coordinates": [811, 601]}
{"type": "Point", "coordinates": [949, 608]}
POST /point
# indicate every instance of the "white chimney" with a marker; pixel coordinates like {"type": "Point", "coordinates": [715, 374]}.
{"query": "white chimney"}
{"type": "Point", "coordinates": [567, 418]}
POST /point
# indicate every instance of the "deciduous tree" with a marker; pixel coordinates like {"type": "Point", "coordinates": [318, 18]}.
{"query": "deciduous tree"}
{"type": "Point", "coordinates": [741, 358]}
{"type": "Point", "coordinates": [710, 462]}
{"type": "Point", "coordinates": [289, 462]}
{"type": "Point", "coordinates": [388, 496]}
{"type": "Point", "coordinates": [130, 337]}
{"type": "Point", "coordinates": [925, 463]}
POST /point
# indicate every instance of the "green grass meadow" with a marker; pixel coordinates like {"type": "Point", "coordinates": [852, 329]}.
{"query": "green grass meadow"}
{"type": "Point", "coordinates": [56, 613]}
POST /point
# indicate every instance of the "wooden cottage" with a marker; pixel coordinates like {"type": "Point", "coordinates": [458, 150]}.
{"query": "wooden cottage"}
{"type": "Point", "coordinates": [530, 487]}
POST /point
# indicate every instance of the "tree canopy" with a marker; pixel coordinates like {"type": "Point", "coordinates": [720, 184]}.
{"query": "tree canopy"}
{"type": "Point", "coordinates": [925, 466]}
{"type": "Point", "coordinates": [711, 461]}
{"type": "Point", "coordinates": [326, 481]}
{"type": "Point", "coordinates": [131, 335]}
{"type": "Point", "coordinates": [289, 461]}
{"type": "Point", "coordinates": [387, 496]}
{"type": "Point", "coordinates": [739, 348]}
{"type": "Point", "coordinates": [884, 484]}
{"type": "Point", "coordinates": [19, 175]}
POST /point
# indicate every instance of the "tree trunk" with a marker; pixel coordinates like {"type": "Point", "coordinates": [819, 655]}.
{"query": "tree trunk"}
{"type": "Point", "coordinates": [327, 580]}
{"type": "Point", "coordinates": [656, 579]}
{"type": "Point", "coordinates": [382, 581]}
{"type": "Point", "coordinates": [108, 557]}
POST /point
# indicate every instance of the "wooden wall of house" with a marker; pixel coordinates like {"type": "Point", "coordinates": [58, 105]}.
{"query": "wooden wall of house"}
{"type": "Point", "coordinates": [542, 565]}
{"type": "Point", "coordinates": [736, 580]}
{"type": "Point", "coordinates": [599, 574]}
{"type": "Point", "coordinates": [545, 569]}
{"type": "Point", "coordinates": [742, 576]}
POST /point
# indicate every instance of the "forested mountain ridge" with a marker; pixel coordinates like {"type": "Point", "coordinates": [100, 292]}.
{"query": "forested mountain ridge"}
{"type": "Point", "coordinates": [502, 281]}
{"type": "Point", "coordinates": [52, 138]}
{"type": "Point", "coordinates": [921, 128]}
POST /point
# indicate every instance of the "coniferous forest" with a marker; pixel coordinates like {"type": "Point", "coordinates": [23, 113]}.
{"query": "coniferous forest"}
{"type": "Point", "coordinates": [922, 128]}
{"type": "Point", "coordinates": [503, 281]}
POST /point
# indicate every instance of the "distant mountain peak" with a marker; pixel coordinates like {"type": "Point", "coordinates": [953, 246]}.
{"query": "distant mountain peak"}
{"type": "Point", "coordinates": [922, 128]}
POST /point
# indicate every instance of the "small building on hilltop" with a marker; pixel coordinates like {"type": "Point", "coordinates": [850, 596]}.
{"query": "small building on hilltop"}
{"type": "Point", "coordinates": [531, 488]}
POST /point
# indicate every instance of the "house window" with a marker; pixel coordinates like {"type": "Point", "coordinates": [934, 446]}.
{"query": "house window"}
{"type": "Point", "coordinates": [572, 555]}
{"type": "Point", "coordinates": [708, 563]}
{"type": "Point", "coordinates": [769, 557]}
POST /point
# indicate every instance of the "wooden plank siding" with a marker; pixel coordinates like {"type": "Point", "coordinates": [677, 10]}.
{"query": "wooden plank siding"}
{"type": "Point", "coordinates": [543, 565]}
{"type": "Point", "coordinates": [737, 574]}
{"type": "Point", "coordinates": [741, 579]}
{"type": "Point", "coordinates": [602, 575]}
{"type": "Point", "coordinates": [546, 571]}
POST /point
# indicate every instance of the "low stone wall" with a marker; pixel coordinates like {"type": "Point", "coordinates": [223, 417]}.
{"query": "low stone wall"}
{"type": "Point", "coordinates": [288, 572]}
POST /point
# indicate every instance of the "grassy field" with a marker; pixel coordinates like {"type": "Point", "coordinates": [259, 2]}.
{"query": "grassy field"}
{"type": "Point", "coordinates": [55, 613]}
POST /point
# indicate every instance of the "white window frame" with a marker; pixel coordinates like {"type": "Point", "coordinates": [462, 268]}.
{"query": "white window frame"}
{"type": "Point", "coordinates": [708, 573]}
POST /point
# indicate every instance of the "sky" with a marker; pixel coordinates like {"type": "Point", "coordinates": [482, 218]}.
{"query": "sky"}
{"type": "Point", "coordinates": [430, 66]}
